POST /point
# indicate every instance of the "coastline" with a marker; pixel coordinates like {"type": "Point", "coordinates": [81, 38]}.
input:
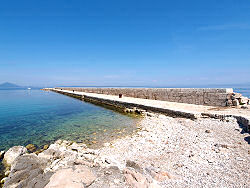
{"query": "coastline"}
{"type": "Point", "coordinates": [160, 154]}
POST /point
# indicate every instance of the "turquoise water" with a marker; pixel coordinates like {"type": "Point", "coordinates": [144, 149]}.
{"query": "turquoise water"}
{"type": "Point", "coordinates": [40, 117]}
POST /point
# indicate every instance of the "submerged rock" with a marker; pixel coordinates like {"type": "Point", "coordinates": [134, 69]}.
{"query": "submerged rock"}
{"type": "Point", "coordinates": [13, 153]}
{"type": "Point", "coordinates": [45, 146]}
{"type": "Point", "coordinates": [31, 147]}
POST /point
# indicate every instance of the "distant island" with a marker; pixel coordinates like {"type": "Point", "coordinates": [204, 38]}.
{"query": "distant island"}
{"type": "Point", "coordinates": [8, 85]}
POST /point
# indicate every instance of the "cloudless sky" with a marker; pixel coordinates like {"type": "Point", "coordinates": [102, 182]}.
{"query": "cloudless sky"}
{"type": "Point", "coordinates": [124, 42]}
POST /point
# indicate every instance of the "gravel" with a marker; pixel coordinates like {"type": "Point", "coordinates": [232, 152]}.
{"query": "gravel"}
{"type": "Point", "coordinates": [200, 153]}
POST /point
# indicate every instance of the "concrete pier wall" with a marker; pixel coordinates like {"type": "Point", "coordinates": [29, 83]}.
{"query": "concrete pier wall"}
{"type": "Point", "coordinates": [199, 96]}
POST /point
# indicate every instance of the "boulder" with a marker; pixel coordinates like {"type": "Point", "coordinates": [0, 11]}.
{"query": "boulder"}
{"type": "Point", "coordinates": [28, 171]}
{"type": "Point", "coordinates": [243, 100]}
{"type": "Point", "coordinates": [13, 153]}
{"type": "Point", "coordinates": [236, 95]}
{"type": "Point", "coordinates": [77, 177]}
{"type": "Point", "coordinates": [229, 103]}
{"type": "Point", "coordinates": [236, 102]}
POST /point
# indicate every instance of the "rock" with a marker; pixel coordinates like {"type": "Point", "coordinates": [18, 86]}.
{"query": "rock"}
{"type": "Point", "coordinates": [161, 176]}
{"type": "Point", "coordinates": [28, 171]}
{"type": "Point", "coordinates": [66, 143]}
{"type": "Point", "coordinates": [7, 173]}
{"type": "Point", "coordinates": [80, 176]}
{"type": "Point", "coordinates": [13, 153]}
{"type": "Point", "coordinates": [134, 165]}
{"type": "Point", "coordinates": [3, 180]}
{"type": "Point", "coordinates": [157, 174]}
{"type": "Point", "coordinates": [38, 151]}
{"type": "Point", "coordinates": [243, 100]}
{"type": "Point", "coordinates": [116, 181]}
{"type": "Point", "coordinates": [78, 146]}
{"type": "Point", "coordinates": [244, 107]}
{"type": "Point", "coordinates": [45, 146]}
{"type": "Point", "coordinates": [106, 144]}
{"type": "Point", "coordinates": [107, 172]}
{"type": "Point", "coordinates": [236, 96]}
{"type": "Point", "coordinates": [50, 154]}
{"type": "Point", "coordinates": [1, 154]}
{"type": "Point", "coordinates": [236, 102]}
{"type": "Point", "coordinates": [31, 147]}
{"type": "Point", "coordinates": [229, 103]}
{"type": "Point", "coordinates": [75, 147]}
{"type": "Point", "coordinates": [135, 179]}
{"type": "Point", "coordinates": [83, 162]}
{"type": "Point", "coordinates": [150, 114]}
{"type": "Point", "coordinates": [58, 142]}
{"type": "Point", "coordinates": [127, 110]}
{"type": "Point", "coordinates": [207, 131]}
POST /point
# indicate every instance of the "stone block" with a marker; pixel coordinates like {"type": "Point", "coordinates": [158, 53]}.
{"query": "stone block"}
{"type": "Point", "coordinates": [236, 95]}
{"type": "Point", "coordinates": [243, 100]}
{"type": "Point", "coordinates": [236, 102]}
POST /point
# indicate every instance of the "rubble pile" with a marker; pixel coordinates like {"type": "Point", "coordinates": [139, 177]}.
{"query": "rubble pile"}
{"type": "Point", "coordinates": [236, 99]}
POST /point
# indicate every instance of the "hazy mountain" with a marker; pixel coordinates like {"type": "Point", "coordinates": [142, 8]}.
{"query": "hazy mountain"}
{"type": "Point", "coordinates": [8, 85]}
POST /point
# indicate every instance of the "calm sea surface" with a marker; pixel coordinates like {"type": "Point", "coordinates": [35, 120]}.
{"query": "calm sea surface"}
{"type": "Point", "coordinates": [40, 117]}
{"type": "Point", "coordinates": [244, 91]}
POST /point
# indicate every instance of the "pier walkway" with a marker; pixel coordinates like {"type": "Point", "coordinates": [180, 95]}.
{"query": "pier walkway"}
{"type": "Point", "coordinates": [170, 108]}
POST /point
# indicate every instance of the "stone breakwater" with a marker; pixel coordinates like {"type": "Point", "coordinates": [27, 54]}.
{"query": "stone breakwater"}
{"type": "Point", "coordinates": [198, 96]}
{"type": "Point", "coordinates": [170, 108]}
{"type": "Point", "coordinates": [165, 152]}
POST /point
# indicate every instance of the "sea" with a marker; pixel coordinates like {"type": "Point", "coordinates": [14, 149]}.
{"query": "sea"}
{"type": "Point", "coordinates": [245, 91]}
{"type": "Point", "coordinates": [41, 117]}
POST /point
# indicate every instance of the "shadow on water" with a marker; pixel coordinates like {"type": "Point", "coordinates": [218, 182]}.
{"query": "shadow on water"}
{"type": "Point", "coordinates": [116, 109]}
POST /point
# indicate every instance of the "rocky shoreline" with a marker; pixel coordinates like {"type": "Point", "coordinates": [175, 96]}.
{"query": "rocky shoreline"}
{"type": "Point", "coordinates": [164, 152]}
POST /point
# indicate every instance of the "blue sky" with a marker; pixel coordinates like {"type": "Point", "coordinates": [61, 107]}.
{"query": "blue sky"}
{"type": "Point", "coordinates": [125, 42]}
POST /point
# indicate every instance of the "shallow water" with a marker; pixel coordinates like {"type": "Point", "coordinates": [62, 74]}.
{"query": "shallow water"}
{"type": "Point", "coordinates": [40, 117]}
